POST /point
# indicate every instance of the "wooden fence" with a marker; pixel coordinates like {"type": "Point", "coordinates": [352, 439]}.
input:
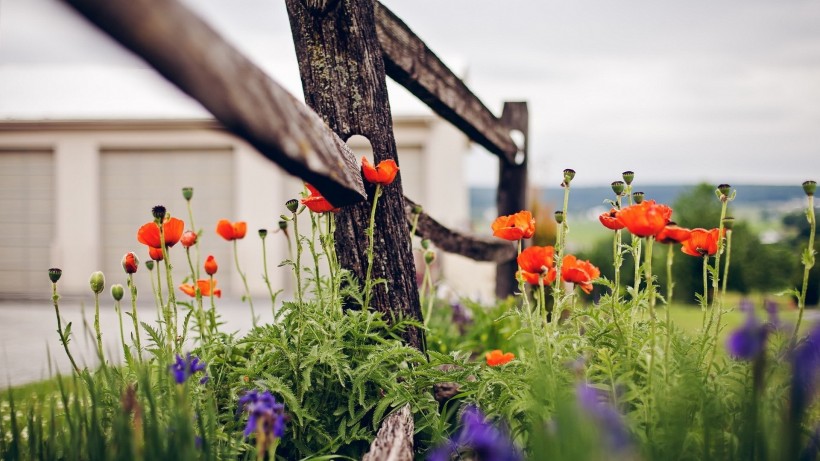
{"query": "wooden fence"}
{"type": "Point", "coordinates": [345, 49]}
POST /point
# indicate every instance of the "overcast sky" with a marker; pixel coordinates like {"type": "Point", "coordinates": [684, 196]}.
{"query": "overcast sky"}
{"type": "Point", "coordinates": [680, 92]}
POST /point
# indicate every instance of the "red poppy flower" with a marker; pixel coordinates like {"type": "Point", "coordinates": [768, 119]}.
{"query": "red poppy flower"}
{"type": "Point", "coordinates": [581, 273]}
{"type": "Point", "coordinates": [155, 254]}
{"type": "Point", "coordinates": [673, 233]}
{"type": "Point", "coordinates": [210, 265]}
{"type": "Point", "coordinates": [536, 262]}
{"type": "Point", "coordinates": [231, 230]}
{"type": "Point", "coordinates": [130, 263]}
{"type": "Point", "coordinates": [316, 202]}
{"type": "Point", "coordinates": [384, 173]}
{"type": "Point", "coordinates": [701, 242]}
{"type": "Point", "coordinates": [610, 220]}
{"type": "Point", "coordinates": [205, 287]}
{"type": "Point", "coordinates": [496, 357]}
{"type": "Point", "coordinates": [646, 218]}
{"type": "Point", "coordinates": [514, 227]}
{"type": "Point", "coordinates": [172, 228]}
{"type": "Point", "coordinates": [188, 239]}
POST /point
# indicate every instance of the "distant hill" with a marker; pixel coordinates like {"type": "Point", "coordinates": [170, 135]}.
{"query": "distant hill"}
{"type": "Point", "coordinates": [583, 199]}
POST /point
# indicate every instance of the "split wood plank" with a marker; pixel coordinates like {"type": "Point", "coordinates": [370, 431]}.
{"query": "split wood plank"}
{"type": "Point", "coordinates": [409, 62]}
{"type": "Point", "coordinates": [473, 247]}
{"type": "Point", "coordinates": [394, 441]}
{"type": "Point", "coordinates": [194, 57]}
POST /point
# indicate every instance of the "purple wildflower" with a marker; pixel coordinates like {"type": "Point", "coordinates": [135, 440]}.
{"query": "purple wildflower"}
{"type": "Point", "coordinates": [597, 405]}
{"type": "Point", "coordinates": [806, 369]}
{"type": "Point", "coordinates": [183, 368]}
{"type": "Point", "coordinates": [483, 439]}
{"type": "Point", "coordinates": [748, 341]}
{"type": "Point", "coordinates": [266, 416]}
{"type": "Point", "coordinates": [460, 317]}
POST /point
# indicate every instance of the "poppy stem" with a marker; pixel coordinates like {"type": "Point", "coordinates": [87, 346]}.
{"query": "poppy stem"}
{"type": "Point", "coordinates": [133, 289]}
{"type": "Point", "coordinates": [200, 316]}
{"type": "Point", "coordinates": [298, 268]}
{"type": "Point", "coordinates": [244, 282]}
{"type": "Point", "coordinates": [717, 298]}
{"type": "Point", "coordinates": [317, 279]}
{"type": "Point", "coordinates": [97, 328]}
{"type": "Point", "coordinates": [704, 301]}
{"type": "Point", "coordinates": [723, 293]}
{"type": "Point", "coordinates": [267, 278]}
{"type": "Point", "coordinates": [808, 263]}
{"type": "Point", "coordinates": [63, 334]}
{"type": "Point", "coordinates": [125, 349]}
{"type": "Point", "coordinates": [428, 278]}
{"type": "Point", "coordinates": [370, 233]}
{"type": "Point", "coordinates": [173, 328]}
{"type": "Point", "coordinates": [670, 256]}
{"type": "Point", "coordinates": [193, 226]}
{"type": "Point", "coordinates": [213, 305]}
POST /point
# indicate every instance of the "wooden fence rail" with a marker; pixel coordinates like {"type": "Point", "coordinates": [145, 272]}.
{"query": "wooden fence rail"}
{"type": "Point", "coordinates": [336, 42]}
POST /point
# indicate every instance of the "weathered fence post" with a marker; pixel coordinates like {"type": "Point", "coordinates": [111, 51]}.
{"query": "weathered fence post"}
{"type": "Point", "coordinates": [343, 78]}
{"type": "Point", "coordinates": [511, 196]}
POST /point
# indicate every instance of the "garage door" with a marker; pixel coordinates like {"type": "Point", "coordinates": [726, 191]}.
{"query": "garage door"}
{"type": "Point", "coordinates": [135, 180]}
{"type": "Point", "coordinates": [27, 222]}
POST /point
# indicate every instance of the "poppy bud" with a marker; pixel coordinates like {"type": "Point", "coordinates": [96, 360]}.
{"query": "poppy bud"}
{"type": "Point", "coordinates": [97, 282]}
{"type": "Point", "coordinates": [417, 209]}
{"type": "Point", "coordinates": [210, 265]}
{"type": "Point", "coordinates": [559, 216]}
{"type": "Point", "coordinates": [130, 263]}
{"type": "Point", "coordinates": [637, 197]}
{"type": "Point", "coordinates": [117, 292]}
{"type": "Point", "coordinates": [429, 256]}
{"type": "Point", "coordinates": [809, 187]}
{"type": "Point", "coordinates": [283, 225]}
{"type": "Point", "coordinates": [724, 189]}
{"type": "Point", "coordinates": [158, 212]}
{"type": "Point", "coordinates": [728, 222]}
{"type": "Point", "coordinates": [628, 177]}
{"type": "Point", "coordinates": [54, 274]}
{"type": "Point", "coordinates": [263, 233]}
{"type": "Point", "coordinates": [188, 239]}
{"type": "Point", "coordinates": [292, 205]}
{"type": "Point", "coordinates": [425, 243]}
{"type": "Point", "coordinates": [188, 193]}
{"type": "Point", "coordinates": [618, 187]}
{"type": "Point", "coordinates": [569, 174]}
{"type": "Point", "coordinates": [149, 265]}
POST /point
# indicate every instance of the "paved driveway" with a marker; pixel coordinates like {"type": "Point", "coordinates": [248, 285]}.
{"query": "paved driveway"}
{"type": "Point", "coordinates": [30, 348]}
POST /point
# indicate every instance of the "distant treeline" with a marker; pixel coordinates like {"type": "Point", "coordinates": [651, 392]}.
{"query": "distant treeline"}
{"type": "Point", "coordinates": [584, 198]}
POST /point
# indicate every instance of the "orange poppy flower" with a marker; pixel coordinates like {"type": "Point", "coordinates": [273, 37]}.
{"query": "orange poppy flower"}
{"type": "Point", "coordinates": [673, 233]}
{"type": "Point", "coordinates": [701, 242]}
{"type": "Point", "coordinates": [231, 230]}
{"type": "Point", "coordinates": [172, 228]}
{"type": "Point", "coordinates": [155, 254]}
{"type": "Point", "coordinates": [316, 202]}
{"type": "Point", "coordinates": [536, 262]}
{"type": "Point", "coordinates": [610, 220]}
{"type": "Point", "coordinates": [130, 262]}
{"type": "Point", "coordinates": [496, 357]}
{"type": "Point", "coordinates": [514, 227]}
{"type": "Point", "coordinates": [210, 265]}
{"type": "Point", "coordinates": [188, 239]}
{"type": "Point", "coordinates": [204, 288]}
{"type": "Point", "coordinates": [384, 173]}
{"type": "Point", "coordinates": [581, 273]}
{"type": "Point", "coordinates": [646, 218]}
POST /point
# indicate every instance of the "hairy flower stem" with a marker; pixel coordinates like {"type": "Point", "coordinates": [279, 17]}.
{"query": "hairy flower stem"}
{"type": "Point", "coordinates": [63, 335]}
{"type": "Point", "coordinates": [172, 301]}
{"type": "Point", "coordinates": [722, 294]}
{"type": "Point", "coordinates": [560, 243]}
{"type": "Point", "coordinates": [157, 287]}
{"type": "Point", "coordinates": [368, 288]}
{"type": "Point", "coordinates": [244, 283]}
{"type": "Point", "coordinates": [330, 253]}
{"type": "Point", "coordinates": [704, 302]}
{"type": "Point", "coordinates": [670, 256]}
{"type": "Point", "coordinates": [636, 256]}
{"type": "Point", "coordinates": [316, 278]}
{"type": "Point", "coordinates": [213, 306]}
{"type": "Point", "coordinates": [133, 290]}
{"type": "Point", "coordinates": [97, 328]}
{"type": "Point", "coordinates": [650, 287]}
{"type": "Point", "coordinates": [808, 263]}
{"type": "Point", "coordinates": [267, 279]}
{"type": "Point", "coordinates": [717, 297]}
{"type": "Point", "coordinates": [200, 314]}
{"type": "Point", "coordinates": [193, 226]}
{"type": "Point", "coordinates": [125, 349]}
{"type": "Point", "coordinates": [430, 298]}
{"type": "Point", "coordinates": [298, 268]}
